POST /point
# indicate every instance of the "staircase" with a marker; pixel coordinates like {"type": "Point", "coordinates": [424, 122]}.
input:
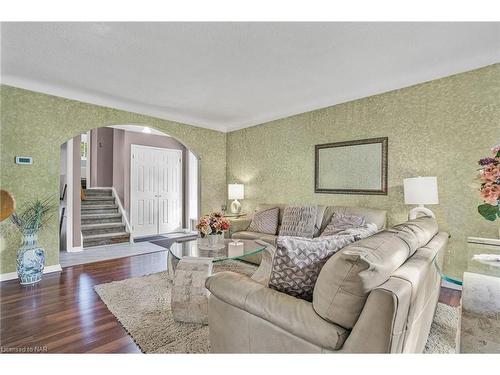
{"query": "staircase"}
{"type": "Point", "coordinates": [102, 223]}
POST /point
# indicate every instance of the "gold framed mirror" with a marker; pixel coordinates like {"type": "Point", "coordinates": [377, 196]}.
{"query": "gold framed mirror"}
{"type": "Point", "coordinates": [353, 167]}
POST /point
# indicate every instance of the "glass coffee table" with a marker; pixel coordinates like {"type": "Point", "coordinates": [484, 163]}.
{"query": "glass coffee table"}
{"type": "Point", "coordinates": [191, 263]}
{"type": "Point", "coordinates": [226, 251]}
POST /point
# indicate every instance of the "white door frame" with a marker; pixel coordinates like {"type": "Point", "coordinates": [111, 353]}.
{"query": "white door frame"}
{"type": "Point", "coordinates": [131, 197]}
{"type": "Point", "coordinates": [69, 196]}
{"type": "Point", "coordinates": [87, 168]}
{"type": "Point", "coordinates": [70, 191]}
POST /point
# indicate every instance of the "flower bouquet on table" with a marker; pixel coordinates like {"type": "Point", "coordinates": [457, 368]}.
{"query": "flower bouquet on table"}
{"type": "Point", "coordinates": [489, 174]}
{"type": "Point", "coordinates": [212, 227]}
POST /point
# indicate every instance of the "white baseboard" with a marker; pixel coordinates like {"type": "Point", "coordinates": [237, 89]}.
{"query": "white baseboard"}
{"type": "Point", "coordinates": [75, 249]}
{"type": "Point", "coordinates": [13, 275]}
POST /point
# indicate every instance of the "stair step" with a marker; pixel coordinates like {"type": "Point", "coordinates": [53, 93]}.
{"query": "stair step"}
{"type": "Point", "coordinates": [106, 235]}
{"type": "Point", "coordinates": [99, 209]}
{"type": "Point", "coordinates": [91, 229]}
{"type": "Point", "coordinates": [97, 216]}
{"type": "Point", "coordinates": [96, 201]}
{"type": "Point", "coordinates": [101, 218]}
{"type": "Point", "coordinates": [92, 198]}
{"type": "Point", "coordinates": [105, 239]}
{"type": "Point", "coordinates": [100, 212]}
{"type": "Point", "coordinates": [98, 192]}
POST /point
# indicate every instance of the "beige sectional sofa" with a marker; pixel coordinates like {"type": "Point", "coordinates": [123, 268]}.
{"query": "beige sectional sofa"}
{"type": "Point", "coordinates": [239, 227]}
{"type": "Point", "coordinates": [377, 295]}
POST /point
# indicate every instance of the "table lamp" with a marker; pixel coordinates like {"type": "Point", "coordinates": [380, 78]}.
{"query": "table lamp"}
{"type": "Point", "coordinates": [235, 191]}
{"type": "Point", "coordinates": [420, 191]}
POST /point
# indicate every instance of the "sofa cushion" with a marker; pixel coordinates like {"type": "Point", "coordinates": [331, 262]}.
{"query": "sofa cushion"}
{"type": "Point", "coordinates": [265, 221]}
{"type": "Point", "coordinates": [239, 224]}
{"type": "Point", "coordinates": [247, 235]}
{"type": "Point", "coordinates": [319, 214]}
{"type": "Point", "coordinates": [325, 213]}
{"type": "Point", "coordinates": [371, 215]}
{"type": "Point", "coordinates": [299, 221]}
{"type": "Point", "coordinates": [267, 206]}
{"type": "Point", "coordinates": [298, 261]}
{"type": "Point", "coordinates": [293, 315]}
{"type": "Point", "coordinates": [348, 277]}
{"type": "Point", "coordinates": [269, 238]}
{"type": "Point", "coordinates": [416, 233]}
{"type": "Point", "coordinates": [342, 222]}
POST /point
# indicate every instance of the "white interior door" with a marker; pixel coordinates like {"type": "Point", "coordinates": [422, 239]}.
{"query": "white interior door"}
{"type": "Point", "coordinates": [143, 202]}
{"type": "Point", "coordinates": [156, 190]}
{"type": "Point", "coordinates": [169, 190]}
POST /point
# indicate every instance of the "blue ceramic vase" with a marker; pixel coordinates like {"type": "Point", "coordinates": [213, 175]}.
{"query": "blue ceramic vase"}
{"type": "Point", "coordinates": [30, 259]}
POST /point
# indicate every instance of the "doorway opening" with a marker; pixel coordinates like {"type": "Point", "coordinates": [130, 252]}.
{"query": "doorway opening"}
{"type": "Point", "coordinates": [123, 183]}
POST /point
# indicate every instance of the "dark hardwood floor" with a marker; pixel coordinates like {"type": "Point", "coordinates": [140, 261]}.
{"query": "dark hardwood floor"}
{"type": "Point", "coordinates": [63, 314]}
{"type": "Point", "coordinates": [450, 297]}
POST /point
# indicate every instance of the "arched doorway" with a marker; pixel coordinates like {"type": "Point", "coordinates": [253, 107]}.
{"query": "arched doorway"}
{"type": "Point", "coordinates": [120, 183]}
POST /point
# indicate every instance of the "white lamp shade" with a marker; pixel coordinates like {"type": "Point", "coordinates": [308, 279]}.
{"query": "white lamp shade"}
{"type": "Point", "coordinates": [421, 190]}
{"type": "Point", "coordinates": [236, 191]}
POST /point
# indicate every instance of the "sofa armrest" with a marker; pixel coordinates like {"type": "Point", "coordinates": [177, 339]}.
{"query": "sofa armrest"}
{"type": "Point", "coordinates": [293, 315]}
{"type": "Point", "coordinates": [232, 287]}
{"type": "Point", "coordinates": [238, 225]}
{"type": "Point", "coordinates": [382, 324]}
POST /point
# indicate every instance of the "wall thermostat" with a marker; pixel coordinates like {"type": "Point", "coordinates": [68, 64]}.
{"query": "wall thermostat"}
{"type": "Point", "coordinates": [24, 160]}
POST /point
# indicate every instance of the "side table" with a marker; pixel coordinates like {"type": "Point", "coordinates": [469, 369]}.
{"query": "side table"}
{"type": "Point", "coordinates": [480, 318]}
{"type": "Point", "coordinates": [479, 330]}
{"type": "Point", "coordinates": [191, 264]}
{"type": "Point", "coordinates": [189, 301]}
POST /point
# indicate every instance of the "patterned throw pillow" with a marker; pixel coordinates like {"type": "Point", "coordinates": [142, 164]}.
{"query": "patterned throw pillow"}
{"type": "Point", "coordinates": [342, 222]}
{"type": "Point", "coordinates": [298, 221]}
{"type": "Point", "coordinates": [265, 221]}
{"type": "Point", "coordinates": [297, 262]}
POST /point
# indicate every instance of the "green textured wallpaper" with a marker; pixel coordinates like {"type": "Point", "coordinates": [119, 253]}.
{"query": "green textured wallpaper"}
{"type": "Point", "coordinates": [439, 128]}
{"type": "Point", "coordinates": [34, 124]}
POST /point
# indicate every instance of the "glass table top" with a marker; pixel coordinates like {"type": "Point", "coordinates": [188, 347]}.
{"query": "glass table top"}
{"type": "Point", "coordinates": [478, 262]}
{"type": "Point", "coordinates": [197, 248]}
{"type": "Point", "coordinates": [479, 258]}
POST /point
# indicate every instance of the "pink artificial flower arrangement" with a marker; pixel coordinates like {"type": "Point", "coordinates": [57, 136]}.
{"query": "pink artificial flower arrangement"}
{"type": "Point", "coordinates": [490, 185]}
{"type": "Point", "coordinates": [214, 223]}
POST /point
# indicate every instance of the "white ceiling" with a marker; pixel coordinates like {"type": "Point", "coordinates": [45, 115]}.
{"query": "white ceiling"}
{"type": "Point", "coordinates": [227, 76]}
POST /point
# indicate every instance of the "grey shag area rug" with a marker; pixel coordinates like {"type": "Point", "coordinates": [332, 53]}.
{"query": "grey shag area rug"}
{"type": "Point", "coordinates": [142, 306]}
{"type": "Point", "coordinates": [443, 331]}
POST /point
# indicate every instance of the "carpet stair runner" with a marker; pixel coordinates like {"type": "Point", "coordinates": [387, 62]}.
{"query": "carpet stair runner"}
{"type": "Point", "coordinates": [102, 223]}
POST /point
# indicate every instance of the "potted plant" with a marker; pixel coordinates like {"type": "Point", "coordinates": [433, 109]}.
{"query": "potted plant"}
{"type": "Point", "coordinates": [489, 174]}
{"type": "Point", "coordinates": [30, 259]}
{"type": "Point", "coordinates": [212, 226]}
